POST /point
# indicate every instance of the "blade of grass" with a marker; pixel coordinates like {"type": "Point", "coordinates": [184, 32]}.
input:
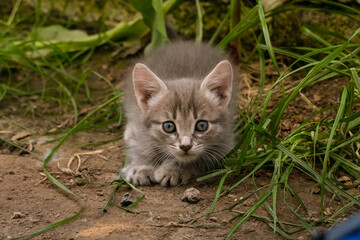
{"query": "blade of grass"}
{"type": "Point", "coordinates": [54, 225]}
{"type": "Point", "coordinates": [217, 195]}
{"type": "Point", "coordinates": [267, 36]}
{"type": "Point", "coordinates": [250, 212]}
{"type": "Point", "coordinates": [328, 146]}
{"type": "Point", "coordinates": [12, 143]}
{"type": "Point", "coordinates": [355, 78]}
{"type": "Point", "coordinates": [249, 21]}
{"type": "Point", "coordinates": [199, 22]}
{"type": "Point", "coordinates": [117, 185]}
{"type": "Point", "coordinates": [304, 224]}
{"type": "Point", "coordinates": [13, 12]}
{"type": "Point", "coordinates": [137, 190]}
{"type": "Point", "coordinates": [276, 177]}
{"type": "Point", "coordinates": [211, 175]}
{"type": "Point", "coordinates": [257, 167]}
{"type": "Point", "coordinates": [218, 30]}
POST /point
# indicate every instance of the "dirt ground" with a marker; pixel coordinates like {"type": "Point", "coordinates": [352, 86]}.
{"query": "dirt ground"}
{"type": "Point", "coordinates": [28, 201]}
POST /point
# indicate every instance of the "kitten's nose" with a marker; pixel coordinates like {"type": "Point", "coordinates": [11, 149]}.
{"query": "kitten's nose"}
{"type": "Point", "coordinates": [185, 148]}
{"type": "Point", "coordinates": [185, 143]}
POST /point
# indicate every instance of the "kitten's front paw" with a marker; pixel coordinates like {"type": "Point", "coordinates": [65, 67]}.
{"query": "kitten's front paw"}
{"type": "Point", "coordinates": [139, 174]}
{"type": "Point", "coordinates": [170, 175]}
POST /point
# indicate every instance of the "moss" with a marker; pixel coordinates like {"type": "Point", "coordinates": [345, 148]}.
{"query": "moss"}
{"type": "Point", "coordinates": [286, 28]}
{"type": "Point", "coordinates": [183, 18]}
{"type": "Point", "coordinates": [108, 12]}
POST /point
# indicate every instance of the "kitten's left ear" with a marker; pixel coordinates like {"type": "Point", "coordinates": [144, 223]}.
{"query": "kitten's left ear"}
{"type": "Point", "coordinates": [148, 87]}
{"type": "Point", "coordinates": [217, 86]}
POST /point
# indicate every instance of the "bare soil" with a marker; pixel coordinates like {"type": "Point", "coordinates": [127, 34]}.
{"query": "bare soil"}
{"type": "Point", "coordinates": [29, 201]}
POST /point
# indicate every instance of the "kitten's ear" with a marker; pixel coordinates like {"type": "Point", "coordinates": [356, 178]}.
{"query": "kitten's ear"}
{"type": "Point", "coordinates": [217, 86]}
{"type": "Point", "coordinates": [148, 87]}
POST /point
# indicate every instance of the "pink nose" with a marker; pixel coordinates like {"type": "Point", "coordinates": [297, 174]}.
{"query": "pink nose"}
{"type": "Point", "coordinates": [185, 148]}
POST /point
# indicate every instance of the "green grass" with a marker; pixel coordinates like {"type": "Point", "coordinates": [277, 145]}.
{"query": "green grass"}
{"type": "Point", "coordinates": [318, 149]}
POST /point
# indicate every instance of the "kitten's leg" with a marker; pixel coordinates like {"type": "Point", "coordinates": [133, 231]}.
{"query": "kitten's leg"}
{"type": "Point", "coordinates": [138, 174]}
{"type": "Point", "coordinates": [171, 174]}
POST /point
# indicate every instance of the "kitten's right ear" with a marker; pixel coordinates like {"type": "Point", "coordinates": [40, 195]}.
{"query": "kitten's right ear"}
{"type": "Point", "coordinates": [148, 87]}
{"type": "Point", "coordinates": [217, 86]}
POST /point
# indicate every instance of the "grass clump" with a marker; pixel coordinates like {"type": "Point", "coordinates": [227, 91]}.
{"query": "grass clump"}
{"type": "Point", "coordinates": [319, 149]}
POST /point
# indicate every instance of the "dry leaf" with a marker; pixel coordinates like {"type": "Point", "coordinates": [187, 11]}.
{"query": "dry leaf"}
{"type": "Point", "coordinates": [21, 135]}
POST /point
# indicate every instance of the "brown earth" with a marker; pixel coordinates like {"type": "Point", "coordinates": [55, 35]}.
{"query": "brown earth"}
{"type": "Point", "coordinates": [29, 201]}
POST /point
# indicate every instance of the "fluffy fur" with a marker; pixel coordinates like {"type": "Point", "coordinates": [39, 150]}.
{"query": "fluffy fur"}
{"type": "Point", "coordinates": [182, 83]}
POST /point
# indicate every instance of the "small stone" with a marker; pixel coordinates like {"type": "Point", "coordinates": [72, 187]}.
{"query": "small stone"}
{"type": "Point", "coordinates": [248, 202]}
{"type": "Point", "coordinates": [127, 200]}
{"type": "Point", "coordinates": [99, 193]}
{"type": "Point", "coordinates": [214, 219]}
{"type": "Point", "coordinates": [344, 179]}
{"type": "Point", "coordinates": [317, 98]}
{"type": "Point", "coordinates": [105, 66]}
{"type": "Point", "coordinates": [191, 195]}
{"type": "Point", "coordinates": [34, 221]}
{"type": "Point", "coordinates": [349, 183]}
{"type": "Point", "coordinates": [230, 195]}
{"type": "Point", "coordinates": [17, 214]}
{"type": "Point", "coordinates": [317, 190]}
{"type": "Point", "coordinates": [317, 118]}
{"type": "Point", "coordinates": [327, 211]}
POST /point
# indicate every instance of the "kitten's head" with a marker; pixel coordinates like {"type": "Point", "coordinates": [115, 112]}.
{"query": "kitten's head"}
{"type": "Point", "coordinates": [187, 118]}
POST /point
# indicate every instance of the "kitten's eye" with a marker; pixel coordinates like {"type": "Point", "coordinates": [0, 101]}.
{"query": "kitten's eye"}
{"type": "Point", "coordinates": [201, 126]}
{"type": "Point", "coordinates": [169, 127]}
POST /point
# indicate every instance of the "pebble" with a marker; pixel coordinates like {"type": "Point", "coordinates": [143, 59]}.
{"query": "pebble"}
{"type": "Point", "coordinates": [99, 193]}
{"type": "Point", "coordinates": [317, 190]}
{"type": "Point", "coordinates": [344, 179]}
{"type": "Point", "coordinates": [191, 195]}
{"type": "Point", "coordinates": [127, 200]}
{"type": "Point", "coordinates": [17, 214]}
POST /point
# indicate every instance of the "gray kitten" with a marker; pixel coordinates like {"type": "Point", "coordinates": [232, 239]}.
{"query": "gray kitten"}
{"type": "Point", "coordinates": [180, 118]}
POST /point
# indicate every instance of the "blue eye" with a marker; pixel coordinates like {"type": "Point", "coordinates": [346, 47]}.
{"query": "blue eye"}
{"type": "Point", "coordinates": [169, 127]}
{"type": "Point", "coordinates": [201, 126]}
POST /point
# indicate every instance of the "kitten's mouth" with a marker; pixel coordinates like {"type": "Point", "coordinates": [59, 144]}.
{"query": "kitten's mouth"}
{"type": "Point", "coordinates": [186, 156]}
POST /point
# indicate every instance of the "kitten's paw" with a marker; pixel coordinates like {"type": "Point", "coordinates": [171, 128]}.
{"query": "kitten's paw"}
{"type": "Point", "coordinates": [168, 175]}
{"type": "Point", "coordinates": [139, 174]}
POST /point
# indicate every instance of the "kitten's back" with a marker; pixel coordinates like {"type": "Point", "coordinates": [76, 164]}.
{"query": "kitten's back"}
{"type": "Point", "coordinates": [183, 60]}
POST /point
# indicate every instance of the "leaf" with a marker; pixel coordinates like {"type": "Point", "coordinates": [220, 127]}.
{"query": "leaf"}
{"type": "Point", "coordinates": [57, 32]}
{"type": "Point", "coordinates": [153, 17]}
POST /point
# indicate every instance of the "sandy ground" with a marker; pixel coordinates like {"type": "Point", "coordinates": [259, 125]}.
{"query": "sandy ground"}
{"type": "Point", "coordinates": [29, 201]}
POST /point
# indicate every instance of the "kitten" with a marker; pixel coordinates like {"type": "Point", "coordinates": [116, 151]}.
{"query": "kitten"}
{"type": "Point", "coordinates": [179, 112]}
